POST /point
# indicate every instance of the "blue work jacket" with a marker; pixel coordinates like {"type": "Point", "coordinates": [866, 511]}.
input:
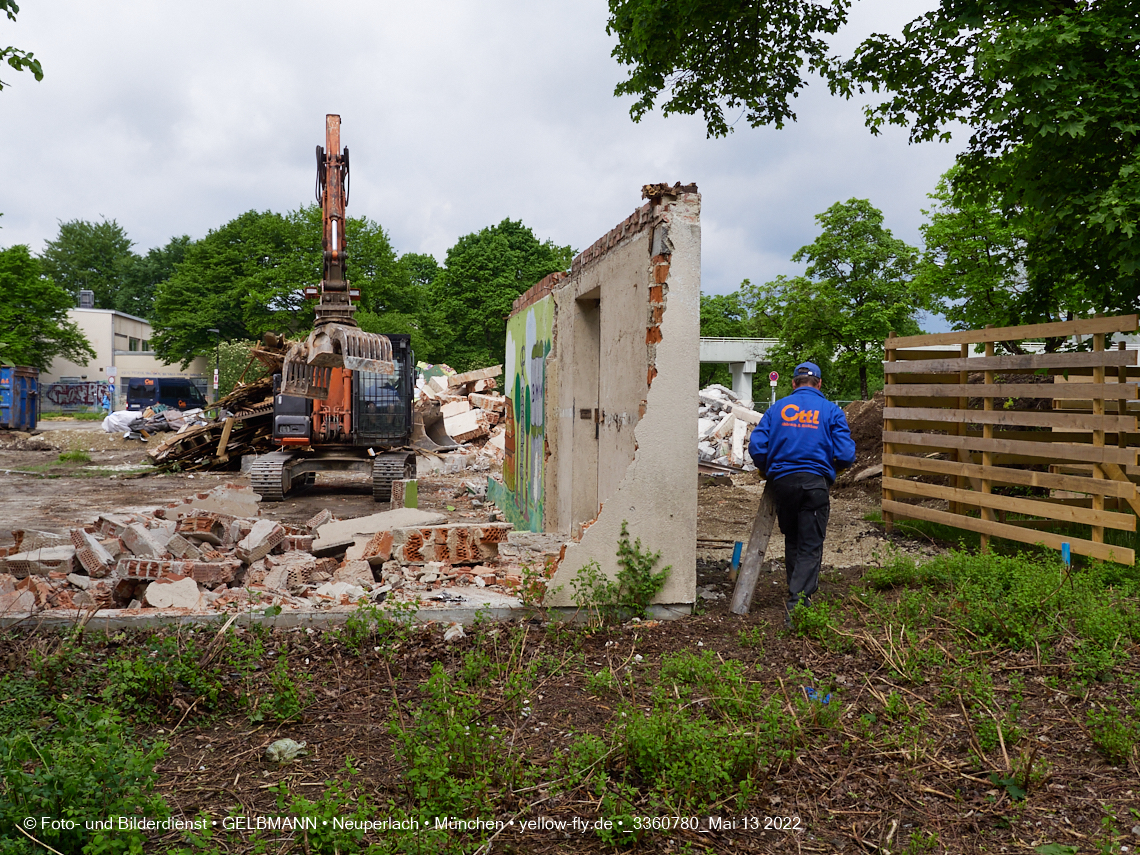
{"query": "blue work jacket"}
{"type": "Point", "coordinates": [803, 432]}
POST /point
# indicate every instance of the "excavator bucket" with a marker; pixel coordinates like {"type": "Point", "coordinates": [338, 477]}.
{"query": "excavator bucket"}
{"type": "Point", "coordinates": [428, 432]}
{"type": "Point", "coordinates": [307, 370]}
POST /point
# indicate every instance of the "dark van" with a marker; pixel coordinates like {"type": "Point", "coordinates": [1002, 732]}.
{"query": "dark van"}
{"type": "Point", "coordinates": [176, 392]}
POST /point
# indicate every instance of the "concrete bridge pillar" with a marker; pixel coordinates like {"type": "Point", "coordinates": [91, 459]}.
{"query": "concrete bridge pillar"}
{"type": "Point", "coordinates": [742, 373]}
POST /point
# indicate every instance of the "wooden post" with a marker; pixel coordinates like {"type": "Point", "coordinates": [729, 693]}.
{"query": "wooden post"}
{"type": "Point", "coordinates": [888, 448]}
{"type": "Point", "coordinates": [225, 440]}
{"type": "Point", "coordinates": [754, 555]}
{"type": "Point", "coordinates": [1122, 437]}
{"type": "Point", "coordinates": [987, 456]}
{"type": "Point", "coordinates": [1098, 436]}
{"type": "Point", "coordinates": [961, 481]}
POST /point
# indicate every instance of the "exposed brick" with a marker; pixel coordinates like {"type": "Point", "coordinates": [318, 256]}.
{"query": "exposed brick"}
{"type": "Point", "coordinates": [205, 527]}
{"type": "Point", "coordinates": [650, 374]}
{"type": "Point", "coordinates": [261, 540]}
{"type": "Point", "coordinates": [180, 547]}
{"type": "Point", "coordinates": [379, 548]}
{"type": "Point", "coordinates": [145, 569]}
{"type": "Point", "coordinates": [661, 274]}
{"type": "Point", "coordinates": [656, 294]}
{"type": "Point", "coordinates": [319, 519]}
{"type": "Point", "coordinates": [298, 542]}
{"type": "Point", "coordinates": [652, 335]}
{"type": "Point", "coordinates": [91, 554]}
{"type": "Point", "coordinates": [211, 574]}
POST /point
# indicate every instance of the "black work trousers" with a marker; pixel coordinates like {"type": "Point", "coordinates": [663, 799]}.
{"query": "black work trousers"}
{"type": "Point", "coordinates": [803, 504]}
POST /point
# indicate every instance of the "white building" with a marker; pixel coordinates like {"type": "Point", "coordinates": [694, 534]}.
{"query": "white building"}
{"type": "Point", "coordinates": [122, 345]}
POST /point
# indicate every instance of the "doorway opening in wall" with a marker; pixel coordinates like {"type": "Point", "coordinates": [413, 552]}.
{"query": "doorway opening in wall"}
{"type": "Point", "coordinates": [587, 339]}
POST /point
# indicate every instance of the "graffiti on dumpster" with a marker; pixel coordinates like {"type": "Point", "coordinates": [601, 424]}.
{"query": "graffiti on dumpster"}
{"type": "Point", "coordinates": [75, 394]}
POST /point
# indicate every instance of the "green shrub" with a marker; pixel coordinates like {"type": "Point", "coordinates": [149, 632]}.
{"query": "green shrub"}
{"type": "Point", "coordinates": [80, 766]}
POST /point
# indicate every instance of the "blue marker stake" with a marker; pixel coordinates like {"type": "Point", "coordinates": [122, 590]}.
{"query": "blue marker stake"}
{"type": "Point", "coordinates": [1065, 555]}
{"type": "Point", "coordinates": [736, 550]}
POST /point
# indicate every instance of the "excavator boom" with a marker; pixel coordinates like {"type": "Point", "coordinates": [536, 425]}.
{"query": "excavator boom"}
{"type": "Point", "coordinates": [336, 341]}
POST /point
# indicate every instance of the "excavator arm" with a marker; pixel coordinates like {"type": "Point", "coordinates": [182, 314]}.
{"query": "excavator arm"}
{"type": "Point", "coordinates": [336, 341]}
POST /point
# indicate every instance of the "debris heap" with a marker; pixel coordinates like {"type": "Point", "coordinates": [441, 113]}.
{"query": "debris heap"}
{"type": "Point", "coordinates": [724, 426]}
{"type": "Point", "coordinates": [463, 412]}
{"type": "Point", "coordinates": [213, 553]}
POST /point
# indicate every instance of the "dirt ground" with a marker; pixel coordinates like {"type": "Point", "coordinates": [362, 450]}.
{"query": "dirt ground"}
{"type": "Point", "coordinates": [38, 491]}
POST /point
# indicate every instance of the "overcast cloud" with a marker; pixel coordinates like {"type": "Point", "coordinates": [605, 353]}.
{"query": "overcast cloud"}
{"type": "Point", "coordinates": [173, 118]}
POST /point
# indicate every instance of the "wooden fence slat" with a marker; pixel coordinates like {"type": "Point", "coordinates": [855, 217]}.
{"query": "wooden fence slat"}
{"type": "Point", "coordinates": [1017, 418]}
{"type": "Point", "coordinates": [1102, 551]}
{"type": "Point", "coordinates": [1094, 391]}
{"type": "Point", "coordinates": [1020, 477]}
{"type": "Point", "coordinates": [1059, 329]}
{"type": "Point", "coordinates": [1027, 362]}
{"type": "Point", "coordinates": [1056, 451]}
{"type": "Point", "coordinates": [1014, 504]}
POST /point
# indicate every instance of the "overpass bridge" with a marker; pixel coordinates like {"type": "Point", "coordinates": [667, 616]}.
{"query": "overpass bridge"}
{"type": "Point", "coordinates": [742, 356]}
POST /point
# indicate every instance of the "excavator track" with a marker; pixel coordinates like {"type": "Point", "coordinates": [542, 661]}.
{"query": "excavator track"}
{"type": "Point", "coordinates": [269, 476]}
{"type": "Point", "coordinates": [386, 468]}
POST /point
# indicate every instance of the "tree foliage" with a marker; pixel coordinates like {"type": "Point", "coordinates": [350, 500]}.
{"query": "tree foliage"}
{"type": "Point", "coordinates": [857, 288]}
{"type": "Point", "coordinates": [141, 276]}
{"type": "Point", "coordinates": [89, 256]}
{"type": "Point", "coordinates": [483, 274]}
{"type": "Point", "coordinates": [20, 60]}
{"type": "Point", "coordinates": [973, 268]}
{"type": "Point", "coordinates": [34, 327]}
{"type": "Point", "coordinates": [246, 278]}
{"type": "Point", "coordinates": [1050, 90]}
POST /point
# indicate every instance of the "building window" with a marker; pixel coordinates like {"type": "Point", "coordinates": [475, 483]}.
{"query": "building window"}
{"type": "Point", "coordinates": [146, 345]}
{"type": "Point", "coordinates": [133, 343]}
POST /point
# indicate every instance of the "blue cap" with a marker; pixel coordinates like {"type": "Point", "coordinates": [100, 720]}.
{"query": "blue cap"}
{"type": "Point", "coordinates": [807, 369]}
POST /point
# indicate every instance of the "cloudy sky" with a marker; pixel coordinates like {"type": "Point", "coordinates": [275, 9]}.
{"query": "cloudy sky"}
{"type": "Point", "coordinates": [173, 118]}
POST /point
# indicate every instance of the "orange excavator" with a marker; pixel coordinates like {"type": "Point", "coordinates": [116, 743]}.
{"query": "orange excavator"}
{"type": "Point", "coordinates": [343, 400]}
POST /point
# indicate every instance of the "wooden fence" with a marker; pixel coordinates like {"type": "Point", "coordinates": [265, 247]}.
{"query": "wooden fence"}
{"type": "Point", "coordinates": [1015, 446]}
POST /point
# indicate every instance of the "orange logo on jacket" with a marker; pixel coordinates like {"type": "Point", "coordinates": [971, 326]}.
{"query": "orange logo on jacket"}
{"type": "Point", "coordinates": [794, 416]}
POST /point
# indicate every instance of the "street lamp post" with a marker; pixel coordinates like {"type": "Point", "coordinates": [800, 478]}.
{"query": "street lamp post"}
{"type": "Point", "coordinates": [217, 361]}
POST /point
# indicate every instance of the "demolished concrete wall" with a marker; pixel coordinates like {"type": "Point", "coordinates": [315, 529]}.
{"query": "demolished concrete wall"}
{"type": "Point", "coordinates": [610, 441]}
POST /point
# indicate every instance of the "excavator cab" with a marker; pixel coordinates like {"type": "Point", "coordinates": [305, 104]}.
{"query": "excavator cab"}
{"type": "Point", "coordinates": [381, 412]}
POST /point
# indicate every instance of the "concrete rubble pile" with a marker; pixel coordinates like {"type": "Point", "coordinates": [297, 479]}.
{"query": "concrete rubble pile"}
{"type": "Point", "coordinates": [213, 553]}
{"type": "Point", "coordinates": [724, 426]}
{"type": "Point", "coordinates": [463, 410]}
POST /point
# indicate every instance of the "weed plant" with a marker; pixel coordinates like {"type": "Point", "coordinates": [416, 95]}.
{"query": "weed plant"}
{"type": "Point", "coordinates": [629, 595]}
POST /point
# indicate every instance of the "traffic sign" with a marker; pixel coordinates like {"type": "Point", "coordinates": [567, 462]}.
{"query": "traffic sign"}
{"type": "Point", "coordinates": [215, 379]}
{"type": "Point", "coordinates": [774, 376]}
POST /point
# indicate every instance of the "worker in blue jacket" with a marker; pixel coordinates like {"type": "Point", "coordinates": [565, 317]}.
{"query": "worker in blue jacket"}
{"type": "Point", "coordinates": [801, 442]}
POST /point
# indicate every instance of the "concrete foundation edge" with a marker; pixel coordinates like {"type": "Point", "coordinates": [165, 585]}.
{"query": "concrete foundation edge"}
{"type": "Point", "coordinates": [114, 619]}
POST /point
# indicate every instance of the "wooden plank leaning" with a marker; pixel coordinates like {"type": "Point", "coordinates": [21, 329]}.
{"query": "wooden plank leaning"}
{"type": "Point", "coordinates": [754, 555]}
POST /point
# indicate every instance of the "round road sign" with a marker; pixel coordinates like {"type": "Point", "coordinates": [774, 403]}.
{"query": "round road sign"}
{"type": "Point", "coordinates": [774, 376]}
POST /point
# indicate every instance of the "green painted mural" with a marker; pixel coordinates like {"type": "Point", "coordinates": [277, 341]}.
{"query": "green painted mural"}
{"type": "Point", "coordinates": [530, 334]}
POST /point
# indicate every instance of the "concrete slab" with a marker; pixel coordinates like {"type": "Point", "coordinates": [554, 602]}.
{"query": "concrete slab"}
{"type": "Point", "coordinates": [40, 562]}
{"type": "Point", "coordinates": [342, 530]}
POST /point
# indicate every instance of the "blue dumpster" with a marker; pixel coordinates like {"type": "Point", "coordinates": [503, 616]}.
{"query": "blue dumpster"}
{"type": "Point", "coordinates": [19, 389]}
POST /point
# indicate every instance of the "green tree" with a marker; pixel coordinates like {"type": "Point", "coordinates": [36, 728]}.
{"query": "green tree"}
{"type": "Point", "coordinates": [20, 60]}
{"type": "Point", "coordinates": [400, 304]}
{"type": "Point", "coordinates": [246, 278]}
{"type": "Point", "coordinates": [90, 256]}
{"type": "Point", "coordinates": [1050, 90]}
{"type": "Point", "coordinates": [140, 277]}
{"type": "Point", "coordinates": [33, 315]}
{"type": "Point", "coordinates": [483, 274]}
{"type": "Point", "coordinates": [857, 288]}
